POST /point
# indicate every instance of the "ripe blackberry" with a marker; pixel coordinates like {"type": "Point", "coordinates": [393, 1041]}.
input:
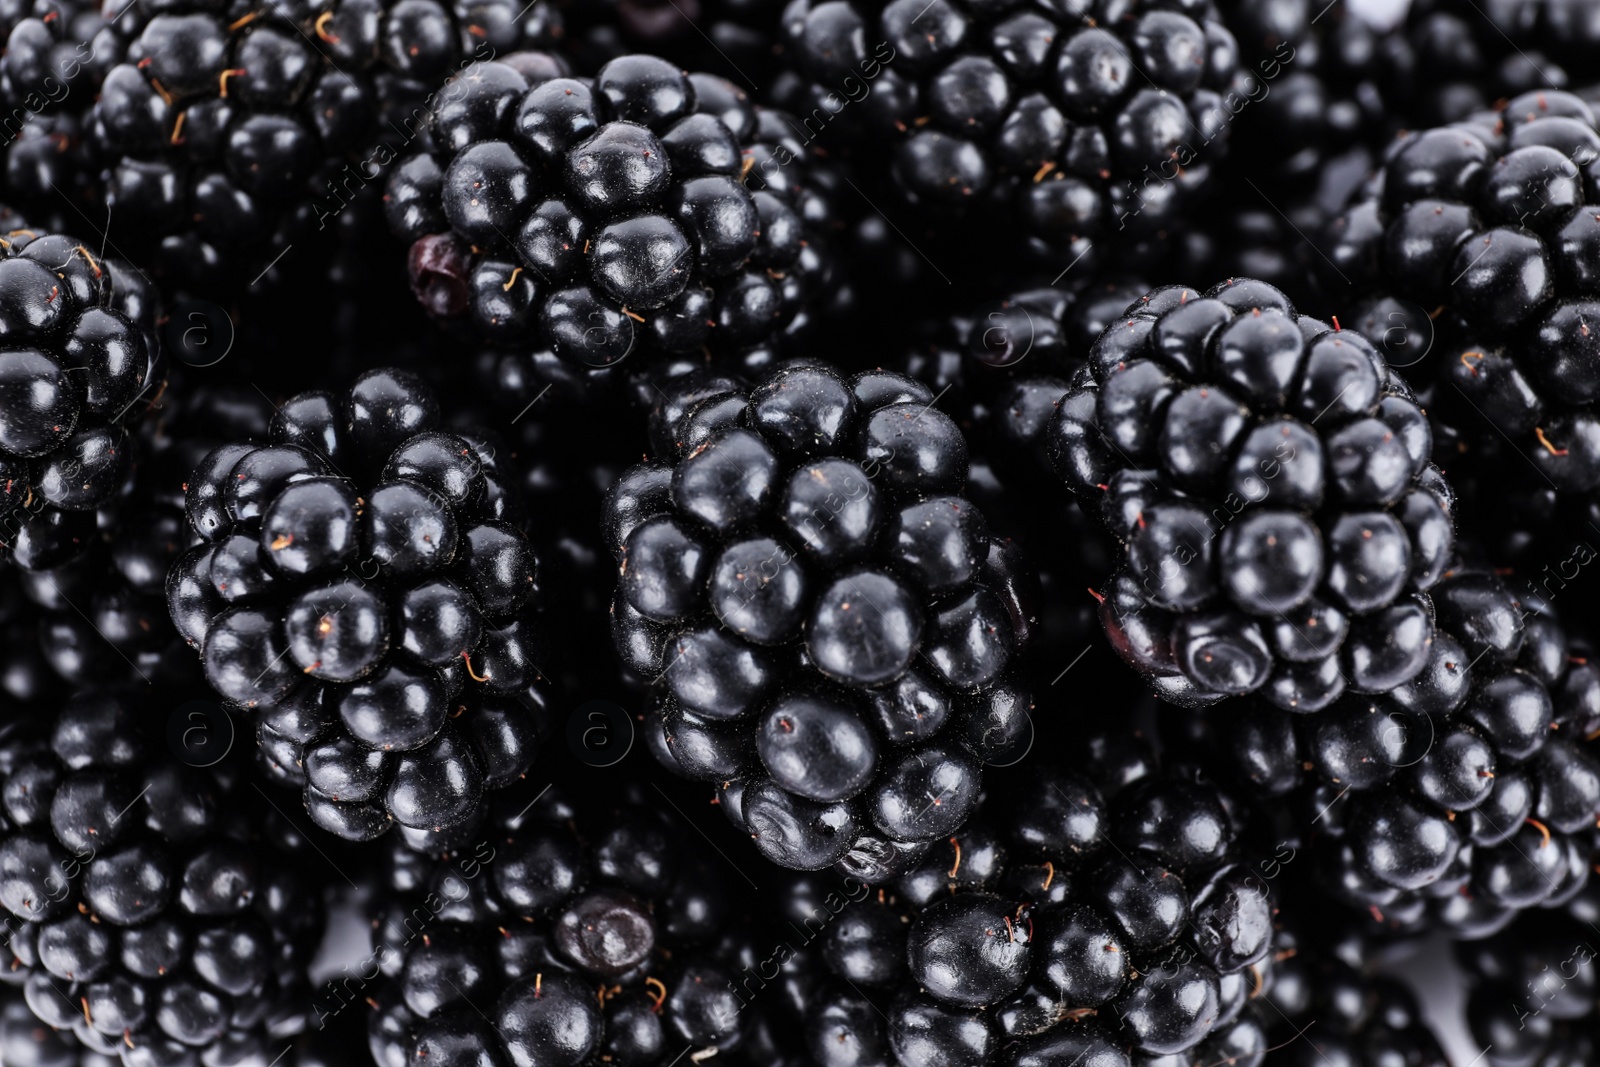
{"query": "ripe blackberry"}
{"type": "Point", "coordinates": [1456, 800]}
{"type": "Point", "coordinates": [362, 581]}
{"type": "Point", "coordinates": [1330, 1010]}
{"type": "Point", "coordinates": [224, 136]}
{"type": "Point", "coordinates": [493, 953]}
{"type": "Point", "coordinates": [1268, 477]}
{"type": "Point", "coordinates": [80, 357]}
{"type": "Point", "coordinates": [146, 912]}
{"type": "Point", "coordinates": [1479, 237]}
{"type": "Point", "coordinates": [1080, 127]}
{"type": "Point", "coordinates": [827, 624]}
{"type": "Point", "coordinates": [1118, 920]}
{"type": "Point", "coordinates": [644, 209]}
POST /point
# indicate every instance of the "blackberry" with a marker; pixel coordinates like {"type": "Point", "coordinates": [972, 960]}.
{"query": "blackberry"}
{"type": "Point", "coordinates": [828, 626]}
{"type": "Point", "coordinates": [1087, 127]}
{"type": "Point", "coordinates": [1268, 478]}
{"type": "Point", "coordinates": [146, 912]}
{"type": "Point", "coordinates": [494, 953]}
{"type": "Point", "coordinates": [1477, 239]}
{"type": "Point", "coordinates": [223, 136]}
{"type": "Point", "coordinates": [362, 581]}
{"type": "Point", "coordinates": [644, 209]}
{"type": "Point", "coordinates": [80, 358]}
{"type": "Point", "coordinates": [1117, 920]}
{"type": "Point", "coordinates": [1330, 1010]}
{"type": "Point", "coordinates": [1456, 800]}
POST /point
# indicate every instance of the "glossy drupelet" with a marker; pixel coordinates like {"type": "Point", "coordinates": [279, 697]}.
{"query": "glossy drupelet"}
{"type": "Point", "coordinates": [78, 369]}
{"type": "Point", "coordinates": [1109, 915]}
{"type": "Point", "coordinates": [160, 913]}
{"type": "Point", "coordinates": [641, 210]}
{"type": "Point", "coordinates": [1457, 800]}
{"type": "Point", "coordinates": [363, 583]}
{"type": "Point", "coordinates": [1269, 479]}
{"type": "Point", "coordinates": [567, 935]}
{"type": "Point", "coordinates": [827, 624]}
{"type": "Point", "coordinates": [1085, 131]}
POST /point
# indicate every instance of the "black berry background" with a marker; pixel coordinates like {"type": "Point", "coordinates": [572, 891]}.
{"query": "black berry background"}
{"type": "Point", "coordinates": [800, 533]}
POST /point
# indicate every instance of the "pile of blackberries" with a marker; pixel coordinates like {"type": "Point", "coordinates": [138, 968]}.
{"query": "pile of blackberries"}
{"type": "Point", "coordinates": [799, 533]}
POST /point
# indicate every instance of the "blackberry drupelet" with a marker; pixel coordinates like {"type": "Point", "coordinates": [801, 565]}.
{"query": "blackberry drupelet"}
{"type": "Point", "coordinates": [225, 135]}
{"type": "Point", "coordinates": [146, 912]}
{"type": "Point", "coordinates": [1117, 920]}
{"type": "Point", "coordinates": [827, 624]}
{"type": "Point", "coordinates": [79, 362]}
{"type": "Point", "coordinates": [1484, 238]}
{"type": "Point", "coordinates": [363, 582]}
{"type": "Point", "coordinates": [494, 953]}
{"type": "Point", "coordinates": [1268, 478]}
{"type": "Point", "coordinates": [644, 209]}
{"type": "Point", "coordinates": [1087, 127]}
{"type": "Point", "coordinates": [1456, 800]}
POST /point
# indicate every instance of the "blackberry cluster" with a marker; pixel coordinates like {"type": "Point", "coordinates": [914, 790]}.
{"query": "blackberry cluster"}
{"type": "Point", "coordinates": [146, 913]}
{"type": "Point", "coordinates": [1456, 800]}
{"type": "Point", "coordinates": [1080, 124]}
{"type": "Point", "coordinates": [1482, 240]}
{"type": "Point", "coordinates": [79, 362]}
{"type": "Point", "coordinates": [1268, 478]}
{"type": "Point", "coordinates": [1327, 1009]}
{"type": "Point", "coordinates": [828, 625]}
{"type": "Point", "coordinates": [224, 133]}
{"type": "Point", "coordinates": [565, 936]}
{"type": "Point", "coordinates": [363, 582]}
{"type": "Point", "coordinates": [644, 209]}
{"type": "Point", "coordinates": [1108, 921]}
